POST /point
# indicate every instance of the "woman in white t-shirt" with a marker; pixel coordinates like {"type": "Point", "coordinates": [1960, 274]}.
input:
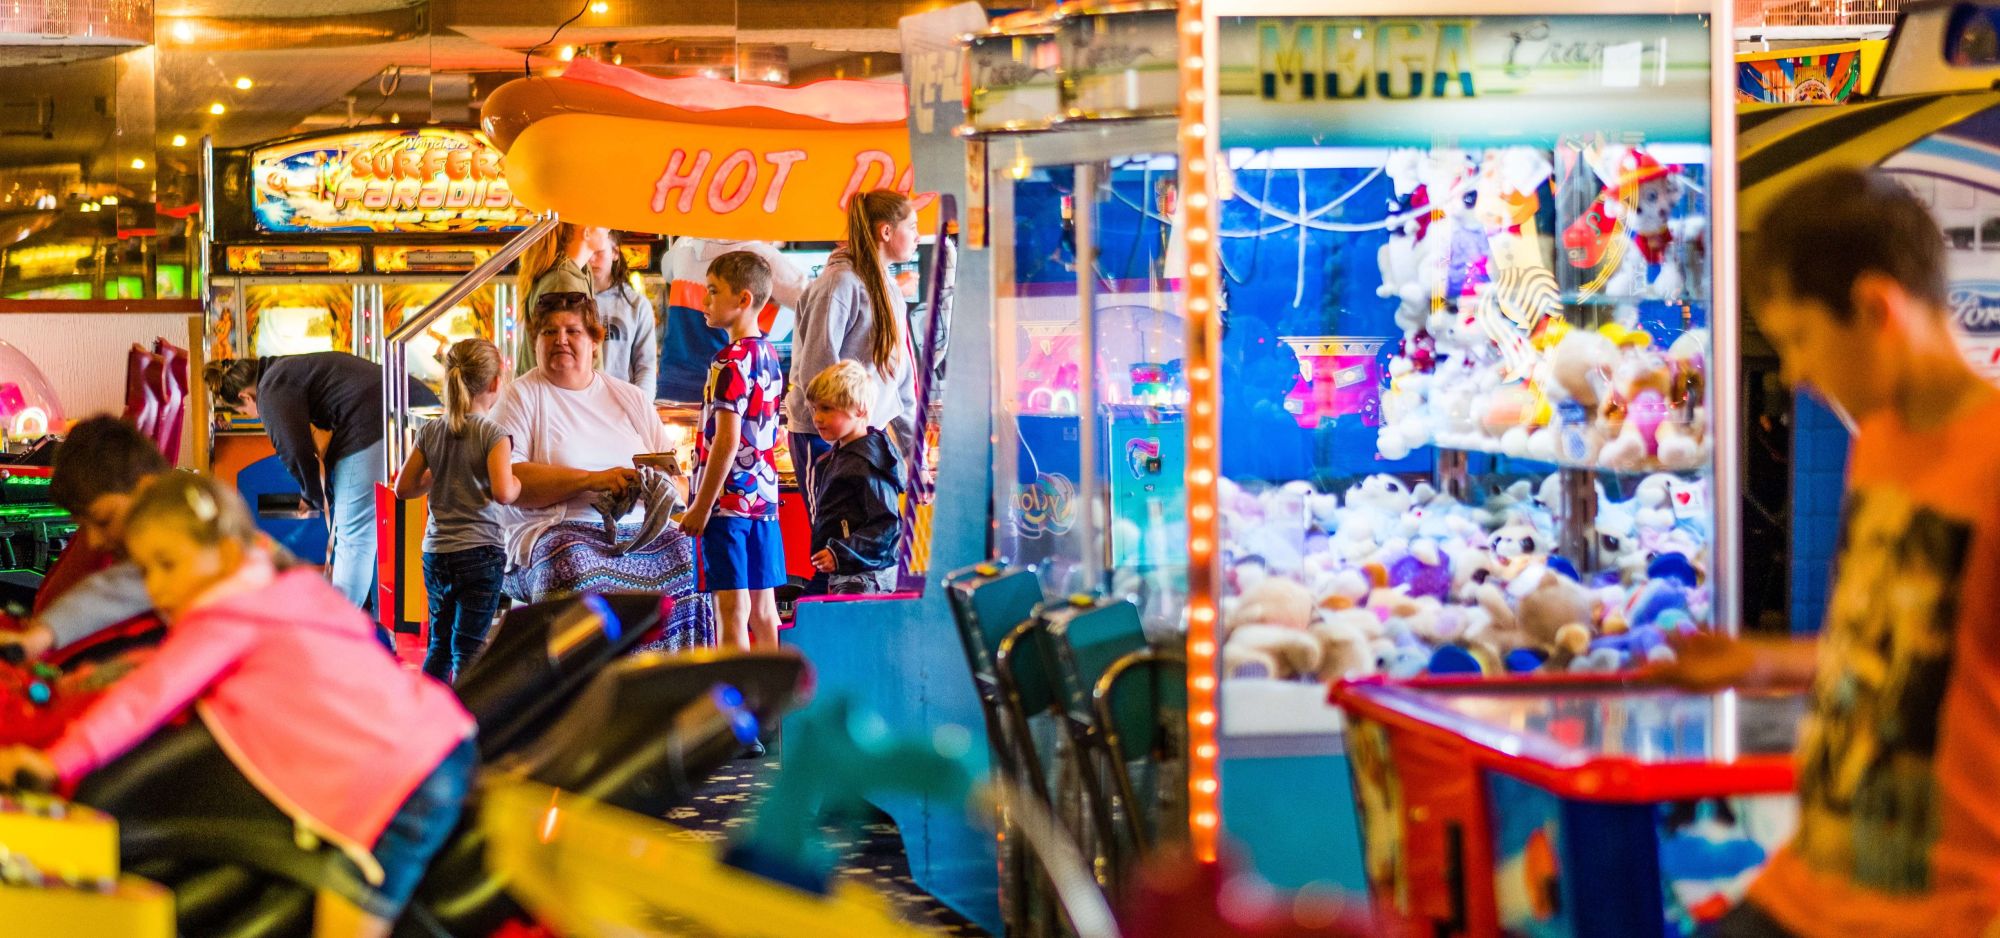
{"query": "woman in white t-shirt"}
{"type": "Point", "coordinates": [574, 434]}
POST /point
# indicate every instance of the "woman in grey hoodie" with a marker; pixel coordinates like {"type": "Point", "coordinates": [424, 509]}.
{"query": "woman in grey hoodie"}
{"type": "Point", "coordinates": [853, 311]}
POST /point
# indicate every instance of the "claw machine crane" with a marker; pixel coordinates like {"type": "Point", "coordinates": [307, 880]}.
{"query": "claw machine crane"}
{"type": "Point", "coordinates": [324, 241]}
{"type": "Point", "coordinates": [1447, 292]}
{"type": "Point", "coordinates": [1532, 212]}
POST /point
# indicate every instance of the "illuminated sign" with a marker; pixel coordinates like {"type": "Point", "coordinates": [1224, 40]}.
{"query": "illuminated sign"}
{"type": "Point", "coordinates": [1817, 75]}
{"type": "Point", "coordinates": [332, 259]}
{"type": "Point", "coordinates": [397, 259]}
{"type": "Point", "coordinates": [1397, 80]}
{"type": "Point", "coordinates": [429, 180]}
{"type": "Point", "coordinates": [1392, 59]}
{"type": "Point", "coordinates": [707, 181]}
{"type": "Point", "coordinates": [1975, 319]}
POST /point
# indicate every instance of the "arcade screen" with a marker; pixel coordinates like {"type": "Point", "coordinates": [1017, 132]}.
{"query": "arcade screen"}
{"type": "Point", "coordinates": [296, 319]}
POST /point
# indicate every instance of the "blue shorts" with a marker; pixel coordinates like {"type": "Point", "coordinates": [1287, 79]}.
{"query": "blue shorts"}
{"type": "Point", "coordinates": [419, 829]}
{"type": "Point", "coordinates": [740, 554]}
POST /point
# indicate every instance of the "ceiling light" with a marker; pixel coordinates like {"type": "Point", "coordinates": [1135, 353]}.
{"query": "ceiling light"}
{"type": "Point", "coordinates": [180, 140]}
{"type": "Point", "coordinates": [600, 8]}
{"type": "Point", "coordinates": [566, 53]}
{"type": "Point", "coordinates": [138, 162]}
{"type": "Point", "coordinates": [243, 84]}
{"type": "Point", "coordinates": [217, 109]}
{"type": "Point", "coordinates": [108, 200]}
{"type": "Point", "coordinates": [183, 31]}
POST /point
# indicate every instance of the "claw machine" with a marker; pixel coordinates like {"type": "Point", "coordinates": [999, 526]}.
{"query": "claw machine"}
{"type": "Point", "coordinates": [1454, 377]}
{"type": "Point", "coordinates": [324, 242]}
{"type": "Point", "coordinates": [1514, 227]}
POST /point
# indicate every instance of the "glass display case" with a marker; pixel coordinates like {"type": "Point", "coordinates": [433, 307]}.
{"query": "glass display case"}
{"type": "Point", "coordinates": [1464, 270]}
{"type": "Point", "coordinates": [1091, 458]}
{"type": "Point", "coordinates": [1494, 236]}
{"type": "Point", "coordinates": [1426, 316]}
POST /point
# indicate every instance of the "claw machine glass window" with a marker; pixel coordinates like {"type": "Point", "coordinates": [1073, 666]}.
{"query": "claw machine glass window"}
{"type": "Point", "coordinates": [1089, 458]}
{"type": "Point", "coordinates": [1139, 337]}
{"type": "Point", "coordinates": [1038, 448]}
{"type": "Point", "coordinates": [1465, 279]}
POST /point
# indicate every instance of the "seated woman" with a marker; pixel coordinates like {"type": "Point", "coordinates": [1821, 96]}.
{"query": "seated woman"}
{"type": "Point", "coordinates": [575, 433]}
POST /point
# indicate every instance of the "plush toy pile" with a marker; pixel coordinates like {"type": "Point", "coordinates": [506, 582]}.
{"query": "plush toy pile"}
{"type": "Point", "coordinates": [1489, 360]}
{"type": "Point", "coordinates": [1389, 578]}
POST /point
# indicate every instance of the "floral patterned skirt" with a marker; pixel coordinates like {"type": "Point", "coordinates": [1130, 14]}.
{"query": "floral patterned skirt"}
{"type": "Point", "coordinates": [575, 557]}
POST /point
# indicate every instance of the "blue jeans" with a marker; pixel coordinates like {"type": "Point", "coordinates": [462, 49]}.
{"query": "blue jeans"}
{"type": "Point", "coordinates": [464, 587]}
{"type": "Point", "coordinates": [351, 504]}
{"type": "Point", "coordinates": [419, 829]}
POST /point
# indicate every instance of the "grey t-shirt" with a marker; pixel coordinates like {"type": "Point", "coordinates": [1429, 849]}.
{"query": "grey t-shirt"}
{"type": "Point", "coordinates": [463, 512]}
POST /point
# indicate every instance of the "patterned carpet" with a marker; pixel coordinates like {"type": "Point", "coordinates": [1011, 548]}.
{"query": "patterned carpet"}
{"type": "Point", "coordinates": [870, 853]}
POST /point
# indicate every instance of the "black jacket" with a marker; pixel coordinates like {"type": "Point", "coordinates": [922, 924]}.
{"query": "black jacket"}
{"type": "Point", "coordinates": [334, 391]}
{"type": "Point", "coordinates": [855, 486]}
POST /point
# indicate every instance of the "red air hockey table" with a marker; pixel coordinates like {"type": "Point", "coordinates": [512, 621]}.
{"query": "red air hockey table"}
{"type": "Point", "coordinates": [1566, 807]}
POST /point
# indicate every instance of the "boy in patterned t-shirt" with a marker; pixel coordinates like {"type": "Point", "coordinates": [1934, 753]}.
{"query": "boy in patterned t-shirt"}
{"type": "Point", "coordinates": [735, 505]}
{"type": "Point", "coordinates": [1899, 831]}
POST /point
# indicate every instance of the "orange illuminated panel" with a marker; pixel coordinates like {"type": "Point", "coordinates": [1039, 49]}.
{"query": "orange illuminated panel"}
{"type": "Point", "coordinates": [318, 259]}
{"type": "Point", "coordinates": [404, 259]}
{"type": "Point", "coordinates": [637, 256]}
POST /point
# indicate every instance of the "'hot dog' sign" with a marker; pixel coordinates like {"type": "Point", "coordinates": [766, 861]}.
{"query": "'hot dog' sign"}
{"type": "Point", "coordinates": [703, 180]}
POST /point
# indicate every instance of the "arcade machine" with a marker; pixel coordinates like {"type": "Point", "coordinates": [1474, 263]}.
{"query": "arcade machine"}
{"type": "Point", "coordinates": [1448, 361]}
{"type": "Point", "coordinates": [1935, 119]}
{"type": "Point", "coordinates": [1553, 412]}
{"type": "Point", "coordinates": [324, 242]}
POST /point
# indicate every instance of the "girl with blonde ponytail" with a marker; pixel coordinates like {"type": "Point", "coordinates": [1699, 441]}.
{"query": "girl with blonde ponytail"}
{"type": "Point", "coordinates": [853, 312]}
{"type": "Point", "coordinates": [465, 463]}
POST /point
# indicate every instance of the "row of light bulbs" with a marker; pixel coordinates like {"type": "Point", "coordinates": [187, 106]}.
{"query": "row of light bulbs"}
{"type": "Point", "coordinates": [1203, 425]}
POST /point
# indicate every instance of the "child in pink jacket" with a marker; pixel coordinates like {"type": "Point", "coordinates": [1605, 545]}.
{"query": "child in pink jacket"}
{"type": "Point", "coordinates": [292, 682]}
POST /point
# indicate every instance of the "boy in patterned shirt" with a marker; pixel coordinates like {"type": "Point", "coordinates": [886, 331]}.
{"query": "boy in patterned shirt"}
{"type": "Point", "coordinates": [734, 511]}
